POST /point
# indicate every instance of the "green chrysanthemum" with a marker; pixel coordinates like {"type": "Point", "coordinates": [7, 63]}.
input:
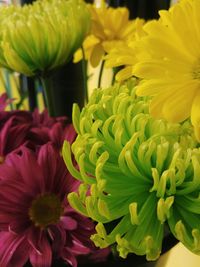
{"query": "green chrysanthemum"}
{"type": "Point", "coordinates": [40, 37]}
{"type": "Point", "coordinates": [138, 174]}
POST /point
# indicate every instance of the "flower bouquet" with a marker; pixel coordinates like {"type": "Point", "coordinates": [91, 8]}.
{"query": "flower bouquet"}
{"type": "Point", "coordinates": [115, 186]}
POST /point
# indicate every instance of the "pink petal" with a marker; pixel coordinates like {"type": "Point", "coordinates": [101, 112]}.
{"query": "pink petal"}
{"type": "Point", "coordinates": [54, 170]}
{"type": "Point", "coordinates": [31, 173]}
{"type": "Point", "coordinates": [44, 259]}
{"type": "Point", "coordinates": [47, 158]}
{"type": "Point", "coordinates": [73, 184]}
{"type": "Point", "coordinates": [80, 249]}
{"type": "Point", "coordinates": [11, 248]}
{"type": "Point", "coordinates": [34, 237]}
{"type": "Point", "coordinates": [19, 225]}
{"type": "Point", "coordinates": [21, 256]}
{"type": "Point", "coordinates": [14, 196]}
{"type": "Point", "coordinates": [56, 134]}
{"type": "Point", "coordinates": [100, 255]}
{"type": "Point", "coordinates": [8, 172]}
{"type": "Point", "coordinates": [68, 223]}
{"type": "Point", "coordinates": [4, 101]}
{"type": "Point", "coordinates": [58, 236]}
{"type": "Point", "coordinates": [69, 257]}
{"type": "Point", "coordinates": [70, 133]}
{"type": "Point", "coordinates": [12, 136]}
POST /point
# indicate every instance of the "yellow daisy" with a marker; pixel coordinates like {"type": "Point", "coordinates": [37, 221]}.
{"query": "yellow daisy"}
{"type": "Point", "coordinates": [109, 27]}
{"type": "Point", "coordinates": [169, 64]}
{"type": "Point", "coordinates": [124, 54]}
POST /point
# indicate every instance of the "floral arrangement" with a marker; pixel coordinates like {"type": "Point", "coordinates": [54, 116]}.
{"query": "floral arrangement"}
{"type": "Point", "coordinates": [126, 171]}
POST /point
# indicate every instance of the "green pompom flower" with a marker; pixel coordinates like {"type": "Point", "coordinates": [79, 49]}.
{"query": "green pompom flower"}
{"type": "Point", "coordinates": [138, 174]}
{"type": "Point", "coordinates": [35, 39]}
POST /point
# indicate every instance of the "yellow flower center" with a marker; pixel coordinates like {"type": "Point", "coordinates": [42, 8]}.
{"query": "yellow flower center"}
{"type": "Point", "coordinates": [45, 210]}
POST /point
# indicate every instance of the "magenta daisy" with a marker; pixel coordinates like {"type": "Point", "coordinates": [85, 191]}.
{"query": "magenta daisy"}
{"type": "Point", "coordinates": [36, 221]}
{"type": "Point", "coordinates": [4, 101]}
{"type": "Point", "coordinates": [55, 129]}
{"type": "Point", "coordinates": [34, 129]}
{"type": "Point", "coordinates": [14, 129]}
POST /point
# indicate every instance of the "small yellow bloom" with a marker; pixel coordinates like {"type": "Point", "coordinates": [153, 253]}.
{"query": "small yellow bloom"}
{"type": "Point", "coordinates": [109, 27]}
{"type": "Point", "coordinates": [124, 53]}
{"type": "Point", "coordinates": [169, 64]}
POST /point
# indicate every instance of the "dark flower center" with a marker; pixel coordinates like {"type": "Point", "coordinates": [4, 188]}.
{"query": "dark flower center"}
{"type": "Point", "coordinates": [45, 210]}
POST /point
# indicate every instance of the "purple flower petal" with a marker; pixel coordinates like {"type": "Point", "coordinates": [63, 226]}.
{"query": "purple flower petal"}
{"type": "Point", "coordinates": [28, 176]}
{"type": "Point", "coordinates": [69, 257]}
{"type": "Point", "coordinates": [70, 133]}
{"type": "Point", "coordinates": [13, 249]}
{"type": "Point", "coordinates": [47, 159]}
{"type": "Point", "coordinates": [79, 249]}
{"type": "Point", "coordinates": [19, 226]}
{"type": "Point", "coordinates": [58, 237]}
{"type": "Point", "coordinates": [12, 136]}
{"type": "Point", "coordinates": [8, 172]}
{"type": "Point", "coordinates": [44, 259]}
{"type": "Point", "coordinates": [34, 237]}
{"type": "Point", "coordinates": [21, 255]}
{"type": "Point", "coordinates": [4, 101]}
{"type": "Point", "coordinates": [69, 223]}
{"type": "Point", "coordinates": [31, 173]}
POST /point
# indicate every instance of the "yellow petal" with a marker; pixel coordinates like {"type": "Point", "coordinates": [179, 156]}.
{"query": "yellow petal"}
{"type": "Point", "coordinates": [152, 87]}
{"type": "Point", "coordinates": [173, 104]}
{"type": "Point", "coordinates": [96, 55]}
{"type": "Point", "coordinates": [178, 106]}
{"type": "Point", "coordinates": [197, 132]}
{"type": "Point", "coordinates": [78, 55]}
{"type": "Point", "coordinates": [149, 70]}
{"type": "Point", "coordinates": [195, 113]}
{"type": "Point", "coordinates": [124, 74]}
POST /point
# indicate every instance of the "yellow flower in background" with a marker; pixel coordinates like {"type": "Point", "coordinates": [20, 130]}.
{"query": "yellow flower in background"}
{"type": "Point", "coordinates": [169, 64]}
{"type": "Point", "coordinates": [110, 26]}
{"type": "Point", "coordinates": [38, 38]}
{"type": "Point", "coordinates": [124, 54]}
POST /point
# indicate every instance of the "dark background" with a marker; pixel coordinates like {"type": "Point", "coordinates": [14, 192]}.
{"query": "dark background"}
{"type": "Point", "coordinates": [147, 9]}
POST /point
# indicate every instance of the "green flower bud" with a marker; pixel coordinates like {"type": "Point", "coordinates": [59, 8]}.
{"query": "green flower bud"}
{"type": "Point", "coordinates": [38, 38]}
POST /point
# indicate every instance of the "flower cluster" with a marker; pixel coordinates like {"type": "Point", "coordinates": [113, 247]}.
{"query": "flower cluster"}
{"type": "Point", "coordinates": [124, 53]}
{"type": "Point", "coordinates": [37, 223]}
{"type": "Point", "coordinates": [138, 174]}
{"type": "Point", "coordinates": [166, 58]}
{"type": "Point", "coordinates": [40, 37]}
{"type": "Point", "coordinates": [33, 129]}
{"type": "Point", "coordinates": [170, 67]}
{"type": "Point", "coordinates": [110, 27]}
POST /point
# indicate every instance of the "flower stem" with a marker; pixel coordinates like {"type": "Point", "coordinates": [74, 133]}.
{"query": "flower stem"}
{"type": "Point", "coordinates": [48, 94]}
{"type": "Point", "coordinates": [100, 73]}
{"type": "Point", "coordinates": [32, 94]}
{"type": "Point", "coordinates": [84, 71]}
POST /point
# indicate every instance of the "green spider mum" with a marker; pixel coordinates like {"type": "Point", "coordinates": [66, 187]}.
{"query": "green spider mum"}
{"type": "Point", "coordinates": [38, 38]}
{"type": "Point", "coordinates": [138, 174]}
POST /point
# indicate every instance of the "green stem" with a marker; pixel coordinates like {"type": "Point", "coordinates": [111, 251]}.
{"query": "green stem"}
{"type": "Point", "coordinates": [101, 73]}
{"type": "Point", "coordinates": [84, 71]}
{"type": "Point", "coordinates": [8, 86]}
{"type": "Point", "coordinates": [48, 94]}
